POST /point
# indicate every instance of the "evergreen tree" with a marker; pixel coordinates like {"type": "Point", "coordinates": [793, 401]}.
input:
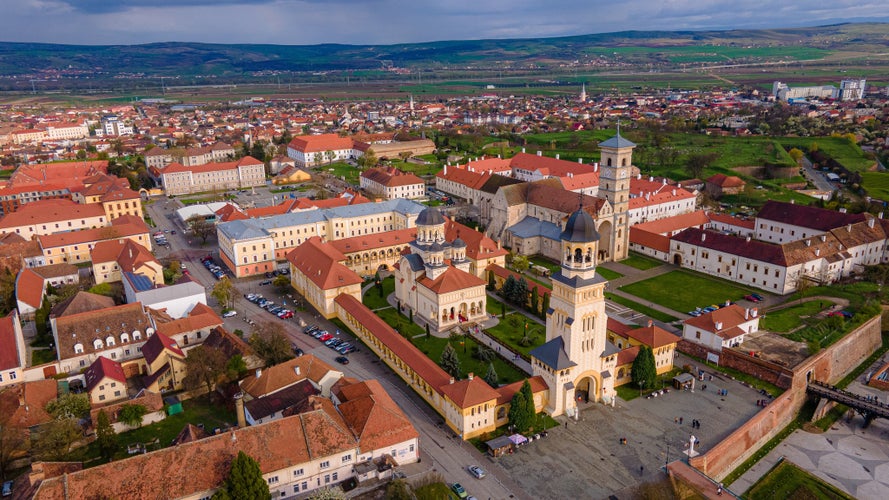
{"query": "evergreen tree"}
{"type": "Point", "coordinates": [492, 283]}
{"type": "Point", "coordinates": [491, 377]}
{"type": "Point", "coordinates": [106, 438]}
{"type": "Point", "coordinates": [449, 361]}
{"type": "Point", "coordinates": [529, 401]}
{"type": "Point", "coordinates": [508, 289]}
{"type": "Point", "coordinates": [535, 298]}
{"type": "Point", "coordinates": [545, 306]}
{"type": "Point", "coordinates": [521, 293]}
{"type": "Point", "coordinates": [518, 413]}
{"type": "Point", "coordinates": [644, 371]}
{"type": "Point", "coordinates": [244, 481]}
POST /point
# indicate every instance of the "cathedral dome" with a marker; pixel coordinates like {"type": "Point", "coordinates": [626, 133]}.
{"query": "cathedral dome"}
{"type": "Point", "coordinates": [581, 228]}
{"type": "Point", "coordinates": [435, 247]}
{"type": "Point", "coordinates": [458, 243]}
{"type": "Point", "coordinates": [430, 216]}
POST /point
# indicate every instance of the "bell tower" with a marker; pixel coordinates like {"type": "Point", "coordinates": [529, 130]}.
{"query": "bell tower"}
{"type": "Point", "coordinates": [614, 184]}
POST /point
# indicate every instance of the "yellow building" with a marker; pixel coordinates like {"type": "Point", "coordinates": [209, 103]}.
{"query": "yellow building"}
{"type": "Point", "coordinates": [111, 258]}
{"type": "Point", "coordinates": [75, 246]}
{"type": "Point", "coordinates": [317, 273]}
{"type": "Point", "coordinates": [105, 381]}
{"type": "Point", "coordinates": [629, 341]}
{"type": "Point", "coordinates": [165, 364]}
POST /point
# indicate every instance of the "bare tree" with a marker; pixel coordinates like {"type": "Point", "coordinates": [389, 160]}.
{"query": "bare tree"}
{"type": "Point", "coordinates": [271, 343]}
{"type": "Point", "coordinates": [200, 227]}
{"type": "Point", "coordinates": [205, 365]}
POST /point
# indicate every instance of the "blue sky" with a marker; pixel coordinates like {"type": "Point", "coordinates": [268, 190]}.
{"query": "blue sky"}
{"type": "Point", "coordinates": [396, 21]}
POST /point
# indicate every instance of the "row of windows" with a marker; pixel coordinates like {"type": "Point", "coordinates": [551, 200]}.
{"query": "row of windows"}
{"type": "Point", "coordinates": [11, 375]}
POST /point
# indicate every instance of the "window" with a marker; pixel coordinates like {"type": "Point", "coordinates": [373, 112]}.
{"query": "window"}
{"type": "Point", "coordinates": [347, 458]}
{"type": "Point", "coordinates": [298, 472]}
{"type": "Point", "coordinates": [101, 397]}
{"type": "Point", "coordinates": [335, 476]}
{"type": "Point", "coordinates": [12, 376]}
{"type": "Point", "coordinates": [273, 480]}
{"type": "Point", "coordinates": [325, 464]}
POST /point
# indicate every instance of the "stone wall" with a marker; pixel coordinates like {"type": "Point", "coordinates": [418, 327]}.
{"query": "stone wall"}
{"type": "Point", "coordinates": [829, 365]}
{"type": "Point", "coordinates": [732, 358]}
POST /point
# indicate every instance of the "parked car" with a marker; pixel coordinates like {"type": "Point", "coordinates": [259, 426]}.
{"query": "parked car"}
{"type": "Point", "coordinates": [265, 282]}
{"type": "Point", "coordinates": [285, 314]}
{"type": "Point", "coordinates": [310, 329]}
{"type": "Point", "coordinates": [325, 337]}
{"type": "Point", "coordinates": [229, 314]}
{"type": "Point", "coordinates": [694, 313]}
{"type": "Point", "coordinates": [844, 314]}
{"type": "Point", "coordinates": [458, 490]}
{"type": "Point", "coordinates": [752, 298]}
{"type": "Point", "coordinates": [342, 360]}
{"type": "Point", "coordinates": [333, 342]}
{"type": "Point", "coordinates": [319, 333]}
{"type": "Point", "coordinates": [269, 275]}
{"type": "Point", "coordinates": [476, 471]}
{"type": "Point", "coordinates": [758, 296]}
{"type": "Point", "coordinates": [7, 488]}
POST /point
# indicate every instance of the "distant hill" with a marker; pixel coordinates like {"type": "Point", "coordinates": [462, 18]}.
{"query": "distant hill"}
{"type": "Point", "coordinates": [642, 47]}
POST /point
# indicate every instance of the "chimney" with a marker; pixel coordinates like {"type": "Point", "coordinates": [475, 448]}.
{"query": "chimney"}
{"type": "Point", "coordinates": [880, 215]}
{"type": "Point", "coordinates": [446, 169]}
{"type": "Point", "coordinates": [650, 178]}
{"type": "Point", "coordinates": [754, 311]}
{"type": "Point", "coordinates": [823, 237]}
{"type": "Point", "coordinates": [580, 160]}
{"type": "Point", "coordinates": [258, 372]}
{"type": "Point", "coordinates": [523, 150]}
{"type": "Point", "coordinates": [650, 323]}
{"type": "Point", "coordinates": [842, 210]}
{"type": "Point", "coordinates": [817, 252]}
{"type": "Point", "coordinates": [870, 222]}
{"type": "Point", "coordinates": [808, 243]}
{"type": "Point", "coordinates": [296, 370]}
{"type": "Point", "coordinates": [718, 325]}
{"type": "Point", "coordinates": [239, 410]}
{"type": "Point", "coordinates": [557, 156]}
{"type": "Point", "coordinates": [22, 397]}
{"type": "Point", "coordinates": [452, 381]}
{"type": "Point", "coordinates": [849, 228]}
{"type": "Point", "coordinates": [498, 156]}
{"type": "Point", "coordinates": [471, 376]}
{"type": "Point", "coordinates": [539, 153]}
{"type": "Point", "coordinates": [728, 303]}
{"type": "Point", "coordinates": [703, 236]}
{"type": "Point", "coordinates": [747, 313]}
{"type": "Point", "coordinates": [595, 167]}
{"type": "Point", "coordinates": [674, 192]}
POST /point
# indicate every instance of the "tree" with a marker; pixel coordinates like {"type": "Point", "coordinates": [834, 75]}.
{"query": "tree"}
{"type": "Point", "coordinates": [55, 438]}
{"type": "Point", "coordinates": [205, 366]}
{"type": "Point", "coordinates": [327, 493]}
{"type": "Point", "coordinates": [518, 413]}
{"type": "Point", "coordinates": [399, 490]}
{"type": "Point", "coordinates": [491, 377]}
{"type": "Point", "coordinates": [535, 298]}
{"type": "Point", "coordinates": [244, 481]}
{"type": "Point", "coordinates": [796, 154]}
{"type": "Point", "coordinates": [235, 366]}
{"type": "Point", "coordinates": [131, 414]}
{"type": "Point", "coordinates": [529, 400]}
{"type": "Point", "coordinates": [224, 293]}
{"type": "Point", "coordinates": [508, 288]}
{"type": "Point", "coordinates": [802, 284]}
{"type": "Point", "coordinates": [367, 160]}
{"type": "Point", "coordinates": [544, 307]}
{"type": "Point", "coordinates": [492, 283]}
{"type": "Point", "coordinates": [697, 162]}
{"type": "Point", "coordinates": [644, 372]}
{"type": "Point", "coordinates": [102, 289]}
{"type": "Point", "coordinates": [521, 263]}
{"type": "Point", "coordinates": [520, 293]}
{"type": "Point", "coordinates": [281, 282]}
{"type": "Point", "coordinates": [270, 343]}
{"type": "Point", "coordinates": [449, 361]}
{"type": "Point", "coordinates": [106, 438]}
{"type": "Point", "coordinates": [200, 227]}
{"type": "Point", "coordinates": [69, 406]}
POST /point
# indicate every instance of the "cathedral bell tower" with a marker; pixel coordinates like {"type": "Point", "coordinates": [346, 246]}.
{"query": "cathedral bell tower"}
{"type": "Point", "coordinates": [614, 185]}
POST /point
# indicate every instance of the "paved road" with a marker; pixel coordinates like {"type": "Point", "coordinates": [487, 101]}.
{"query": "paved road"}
{"type": "Point", "coordinates": [440, 448]}
{"type": "Point", "coordinates": [816, 177]}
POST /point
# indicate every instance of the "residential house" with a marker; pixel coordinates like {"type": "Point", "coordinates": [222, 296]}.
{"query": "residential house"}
{"type": "Point", "coordinates": [165, 363]}
{"type": "Point", "coordinates": [53, 216]}
{"type": "Point", "coordinates": [12, 349]}
{"type": "Point", "coordinates": [723, 328]}
{"type": "Point", "coordinates": [105, 381]}
{"type": "Point", "coordinates": [391, 183]}
{"type": "Point", "coordinates": [719, 185]}
{"type": "Point", "coordinates": [112, 258]}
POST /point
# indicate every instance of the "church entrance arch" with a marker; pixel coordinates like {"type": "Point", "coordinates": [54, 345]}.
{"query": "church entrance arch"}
{"type": "Point", "coordinates": [585, 389]}
{"type": "Point", "coordinates": [605, 229]}
{"type": "Point", "coordinates": [677, 259]}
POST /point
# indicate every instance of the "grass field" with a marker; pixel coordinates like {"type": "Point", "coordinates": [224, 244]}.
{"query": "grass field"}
{"type": "Point", "coordinates": [684, 291]}
{"type": "Point", "coordinates": [876, 184]}
{"type": "Point", "coordinates": [652, 313]}
{"type": "Point", "coordinates": [342, 170]}
{"type": "Point", "coordinates": [372, 298]}
{"type": "Point", "coordinates": [194, 411]}
{"type": "Point", "coordinates": [608, 273]}
{"type": "Point", "coordinates": [840, 149]}
{"type": "Point", "coordinates": [640, 262]}
{"type": "Point", "coordinates": [511, 330]}
{"type": "Point", "coordinates": [786, 480]}
{"type": "Point", "coordinates": [784, 320]}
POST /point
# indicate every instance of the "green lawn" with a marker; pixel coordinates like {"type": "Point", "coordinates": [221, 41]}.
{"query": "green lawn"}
{"type": "Point", "coordinates": [342, 170]}
{"type": "Point", "coordinates": [195, 411]}
{"type": "Point", "coordinates": [511, 330]}
{"type": "Point", "coordinates": [544, 262]}
{"type": "Point", "coordinates": [641, 262]}
{"type": "Point", "coordinates": [372, 298]}
{"type": "Point", "coordinates": [493, 306]}
{"type": "Point", "coordinates": [40, 356]}
{"type": "Point", "coordinates": [786, 480]}
{"type": "Point", "coordinates": [434, 491]}
{"type": "Point", "coordinates": [433, 346]}
{"type": "Point", "coordinates": [876, 184]}
{"type": "Point", "coordinates": [653, 313]}
{"type": "Point", "coordinates": [784, 320]}
{"type": "Point", "coordinates": [683, 291]}
{"type": "Point", "coordinates": [608, 273]}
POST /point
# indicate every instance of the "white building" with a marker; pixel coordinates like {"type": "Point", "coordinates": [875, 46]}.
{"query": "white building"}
{"type": "Point", "coordinates": [391, 183]}
{"type": "Point", "coordinates": [723, 328]}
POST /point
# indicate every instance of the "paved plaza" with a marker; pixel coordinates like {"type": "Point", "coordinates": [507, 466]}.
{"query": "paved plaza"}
{"type": "Point", "coordinates": [586, 460]}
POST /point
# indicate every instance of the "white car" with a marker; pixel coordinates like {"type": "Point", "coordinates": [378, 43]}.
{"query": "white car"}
{"type": "Point", "coordinates": [476, 471]}
{"type": "Point", "coordinates": [229, 314]}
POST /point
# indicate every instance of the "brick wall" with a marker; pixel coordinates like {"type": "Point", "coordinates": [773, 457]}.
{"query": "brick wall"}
{"type": "Point", "coordinates": [830, 365]}
{"type": "Point", "coordinates": [759, 368]}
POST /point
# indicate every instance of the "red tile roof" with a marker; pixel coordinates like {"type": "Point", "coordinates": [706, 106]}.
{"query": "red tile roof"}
{"type": "Point", "coordinates": [157, 344]}
{"type": "Point", "coordinates": [726, 181]}
{"type": "Point", "coordinates": [374, 241]}
{"type": "Point", "coordinates": [201, 317]}
{"type": "Point", "coordinates": [320, 143]}
{"type": "Point", "coordinates": [628, 355]}
{"type": "Point", "coordinates": [320, 263]}
{"type": "Point", "coordinates": [549, 166]}
{"type": "Point", "coordinates": [282, 375]}
{"type": "Point", "coordinates": [35, 396]}
{"type": "Point", "coordinates": [101, 368]}
{"type": "Point", "coordinates": [391, 177]}
{"type": "Point", "coordinates": [373, 417]}
{"type": "Point", "coordinates": [731, 220]}
{"type": "Point", "coordinates": [451, 280]}
{"type": "Point", "coordinates": [753, 249]}
{"type": "Point", "coordinates": [649, 239]}
{"type": "Point", "coordinates": [117, 230]}
{"type": "Point", "coordinates": [508, 391]}
{"type": "Point", "coordinates": [9, 347]}
{"type": "Point", "coordinates": [29, 288]}
{"type": "Point", "coordinates": [653, 336]}
{"type": "Point", "coordinates": [211, 167]}
{"type": "Point", "coordinates": [729, 317]}
{"type": "Point", "coordinates": [805, 216]}
{"type": "Point", "coordinates": [53, 210]}
{"type": "Point", "coordinates": [470, 392]}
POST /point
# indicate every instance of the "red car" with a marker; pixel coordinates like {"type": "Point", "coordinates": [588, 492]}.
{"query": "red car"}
{"type": "Point", "coordinates": [752, 298]}
{"type": "Point", "coordinates": [286, 315]}
{"type": "Point", "coordinates": [325, 337]}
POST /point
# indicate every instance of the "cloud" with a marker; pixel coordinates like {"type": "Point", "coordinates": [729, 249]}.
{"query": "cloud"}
{"type": "Point", "coordinates": [394, 21]}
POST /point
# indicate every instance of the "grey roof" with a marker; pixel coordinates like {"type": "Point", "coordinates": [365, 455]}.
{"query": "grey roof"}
{"type": "Point", "coordinates": [415, 261]}
{"type": "Point", "coordinates": [617, 142]}
{"type": "Point", "coordinates": [458, 243]}
{"type": "Point", "coordinates": [237, 230]}
{"type": "Point", "coordinates": [499, 442]}
{"type": "Point", "coordinates": [430, 216]}
{"type": "Point", "coordinates": [581, 228]}
{"type": "Point", "coordinates": [401, 206]}
{"type": "Point", "coordinates": [577, 281]}
{"type": "Point", "coordinates": [610, 349]}
{"type": "Point", "coordinates": [435, 247]}
{"type": "Point", "coordinates": [172, 292]}
{"type": "Point", "coordinates": [553, 354]}
{"type": "Point", "coordinates": [531, 227]}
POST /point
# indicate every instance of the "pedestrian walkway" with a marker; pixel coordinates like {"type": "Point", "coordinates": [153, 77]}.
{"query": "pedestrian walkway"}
{"type": "Point", "coordinates": [638, 275]}
{"type": "Point", "coordinates": [482, 337]}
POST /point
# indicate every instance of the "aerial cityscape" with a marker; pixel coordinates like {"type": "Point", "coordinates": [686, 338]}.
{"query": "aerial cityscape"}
{"type": "Point", "coordinates": [518, 257]}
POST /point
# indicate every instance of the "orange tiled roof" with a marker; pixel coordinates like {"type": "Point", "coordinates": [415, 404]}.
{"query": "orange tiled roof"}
{"type": "Point", "coordinates": [201, 317]}
{"type": "Point", "coordinates": [29, 288]}
{"type": "Point", "coordinates": [320, 143]}
{"type": "Point", "coordinates": [35, 396]}
{"type": "Point", "coordinates": [653, 336]}
{"type": "Point", "coordinates": [452, 280]}
{"type": "Point", "coordinates": [648, 239]}
{"type": "Point", "coordinates": [470, 392]}
{"type": "Point", "coordinates": [508, 391]}
{"type": "Point", "coordinates": [730, 317]}
{"type": "Point", "coordinates": [373, 417]}
{"type": "Point", "coordinates": [280, 376]}
{"type": "Point", "coordinates": [321, 264]}
{"type": "Point", "coordinates": [46, 211]}
{"type": "Point", "coordinates": [374, 241]}
{"type": "Point", "coordinates": [9, 350]}
{"type": "Point", "coordinates": [116, 230]}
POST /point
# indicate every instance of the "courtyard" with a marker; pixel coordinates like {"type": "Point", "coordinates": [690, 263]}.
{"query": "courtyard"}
{"type": "Point", "coordinates": [683, 290]}
{"type": "Point", "coordinates": [588, 460]}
